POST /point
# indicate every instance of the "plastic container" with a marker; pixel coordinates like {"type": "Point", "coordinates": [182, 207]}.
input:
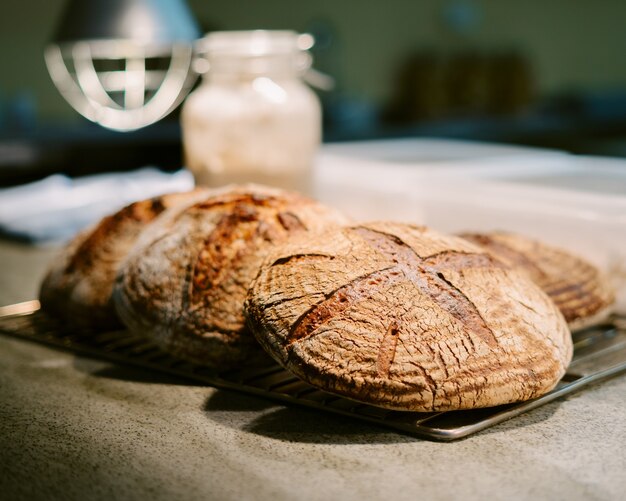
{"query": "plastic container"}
{"type": "Point", "coordinates": [578, 203]}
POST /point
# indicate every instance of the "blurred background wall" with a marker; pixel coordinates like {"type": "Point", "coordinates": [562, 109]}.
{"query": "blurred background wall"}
{"type": "Point", "coordinates": [569, 44]}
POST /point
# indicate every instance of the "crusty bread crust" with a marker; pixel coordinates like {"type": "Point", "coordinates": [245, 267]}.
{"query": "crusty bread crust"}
{"type": "Point", "coordinates": [406, 318]}
{"type": "Point", "coordinates": [77, 287]}
{"type": "Point", "coordinates": [184, 283]}
{"type": "Point", "coordinates": [582, 293]}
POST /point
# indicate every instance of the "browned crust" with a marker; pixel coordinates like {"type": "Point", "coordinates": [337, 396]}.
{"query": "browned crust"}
{"type": "Point", "coordinates": [78, 285]}
{"type": "Point", "coordinates": [408, 319]}
{"type": "Point", "coordinates": [134, 215]}
{"type": "Point", "coordinates": [186, 283]}
{"type": "Point", "coordinates": [220, 253]}
{"type": "Point", "coordinates": [577, 287]}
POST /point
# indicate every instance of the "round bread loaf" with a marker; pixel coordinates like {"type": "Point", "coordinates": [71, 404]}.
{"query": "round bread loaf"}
{"type": "Point", "coordinates": [406, 318]}
{"type": "Point", "coordinates": [580, 291]}
{"type": "Point", "coordinates": [77, 287]}
{"type": "Point", "coordinates": [185, 282]}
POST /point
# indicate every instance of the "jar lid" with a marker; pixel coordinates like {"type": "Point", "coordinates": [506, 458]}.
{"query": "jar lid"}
{"type": "Point", "coordinates": [254, 43]}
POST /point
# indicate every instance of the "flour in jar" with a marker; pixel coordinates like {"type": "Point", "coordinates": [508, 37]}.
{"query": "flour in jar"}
{"type": "Point", "coordinates": [246, 125]}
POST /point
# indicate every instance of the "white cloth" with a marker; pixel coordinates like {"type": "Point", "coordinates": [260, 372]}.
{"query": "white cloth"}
{"type": "Point", "coordinates": [56, 207]}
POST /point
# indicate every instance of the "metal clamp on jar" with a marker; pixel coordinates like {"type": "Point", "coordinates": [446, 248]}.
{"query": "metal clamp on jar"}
{"type": "Point", "coordinates": [252, 119]}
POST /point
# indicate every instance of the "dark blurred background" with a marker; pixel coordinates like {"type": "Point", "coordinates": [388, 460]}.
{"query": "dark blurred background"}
{"type": "Point", "coordinates": [538, 73]}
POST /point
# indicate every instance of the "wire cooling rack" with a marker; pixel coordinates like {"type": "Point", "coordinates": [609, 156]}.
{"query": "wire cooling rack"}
{"type": "Point", "coordinates": [599, 353]}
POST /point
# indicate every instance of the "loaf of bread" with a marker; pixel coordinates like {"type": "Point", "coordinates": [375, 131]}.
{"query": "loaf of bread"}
{"type": "Point", "coordinates": [184, 283]}
{"type": "Point", "coordinates": [406, 318]}
{"type": "Point", "coordinates": [77, 287]}
{"type": "Point", "coordinates": [582, 293]}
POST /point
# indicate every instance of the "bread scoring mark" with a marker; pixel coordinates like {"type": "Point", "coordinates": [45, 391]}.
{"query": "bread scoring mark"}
{"type": "Point", "coordinates": [387, 349]}
{"type": "Point", "coordinates": [339, 300]}
{"type": "Point", "coordinates": [459, 261]}
{"type": "Point", "coordinates": [228, 241]}
{"type": "Point", "coordinates": [290, 221]}
{"type": "Point", "coordinates": [227, 201]}
{"type": "Point", "coordinates": [510, 255]}
{"type": "Point", "coordinates": [138, 212]}
{"type": "Point", "coordinates": [445, 294]}
{"type": "Point", "coordinates": [301, 257]}
{"type": "Point", "coordinates": [234, 199]}
{"type": "Point", "coordinates": [427, 274]}
{"type": "Point", "coordinates": [389, 245]}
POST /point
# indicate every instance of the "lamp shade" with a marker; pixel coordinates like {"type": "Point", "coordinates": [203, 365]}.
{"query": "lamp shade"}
{"type": "Point", "coordinates": [124, 64]}
{"type": "Point", "coordinates": [149, 21]}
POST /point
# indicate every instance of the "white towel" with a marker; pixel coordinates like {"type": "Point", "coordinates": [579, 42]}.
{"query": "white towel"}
{"type": "Point", "coordinates": [57, 207]}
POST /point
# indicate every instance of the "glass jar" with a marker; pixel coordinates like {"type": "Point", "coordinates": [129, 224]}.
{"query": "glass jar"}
{"type": "Point", "coordinates": [252, 119]}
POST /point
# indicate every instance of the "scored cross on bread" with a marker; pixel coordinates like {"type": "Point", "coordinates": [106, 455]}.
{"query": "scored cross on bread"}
{"type": "Point", "coordinates": [425, 275]}
{"type": "Point", "coordinates": [406, 318]}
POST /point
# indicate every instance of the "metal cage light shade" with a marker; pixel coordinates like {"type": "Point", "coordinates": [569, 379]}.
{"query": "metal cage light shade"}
{"type": "Point", "coordinates": [124, 64]}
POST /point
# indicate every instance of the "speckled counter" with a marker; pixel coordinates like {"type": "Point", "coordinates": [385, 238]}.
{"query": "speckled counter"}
{"type": "Point", "coordinates": [75, 428]}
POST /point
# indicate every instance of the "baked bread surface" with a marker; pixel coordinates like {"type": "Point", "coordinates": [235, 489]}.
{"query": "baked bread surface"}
{"type": "Point", "coordinates": [185, 282]}
{"type": "Point", "coordinates": [77, 287]}
{"type": "Point", "coordinates": [582, 293]}
{"type": "Point", "coordinates": [406, 318]}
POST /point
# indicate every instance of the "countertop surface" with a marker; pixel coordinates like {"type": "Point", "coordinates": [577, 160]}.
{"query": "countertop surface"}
{"type": "Point", "coordinates": [77, 428]}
